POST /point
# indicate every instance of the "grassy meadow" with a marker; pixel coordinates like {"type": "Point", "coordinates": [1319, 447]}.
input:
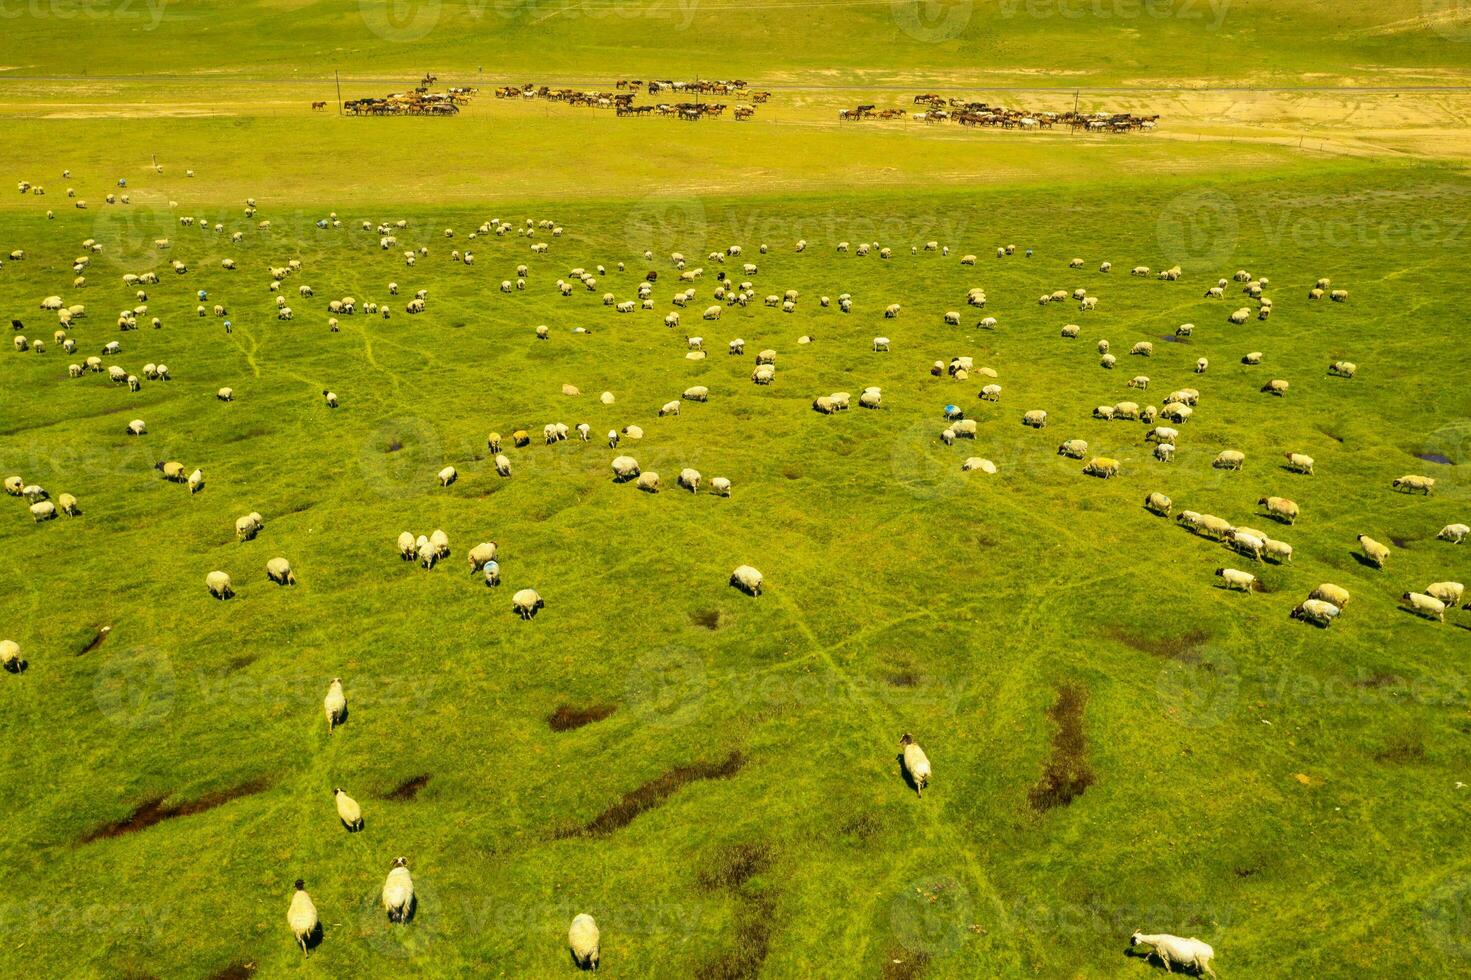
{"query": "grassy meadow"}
{"type": "Point", "coordinates": [1118, 743]}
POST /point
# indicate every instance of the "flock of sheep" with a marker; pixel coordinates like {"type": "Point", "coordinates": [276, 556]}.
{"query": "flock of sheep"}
{"type": "Point", "coordinates": [1322, 606]}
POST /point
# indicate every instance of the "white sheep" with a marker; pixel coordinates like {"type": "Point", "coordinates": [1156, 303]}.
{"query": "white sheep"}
{"type": "Point", "coordinates": [1454, 533]}
{"type": "Point", "coordinates": [1414, 484]}
{"type": "Point", "coordinates": [398, 892]}
{"type": "Point", "coordinates": [720, 486]}
{"type": "Point", "coordinates": [301, 916]}
{"type": "Point", "coordinates": [583, 939]}
{"type": "Point", "coordinates": [747, 579]}
{"type": "Point", "coordinates": [1425, 605]}
{"type": "Point", "coordinates": [977, 463]}
{"type": "Point", "coordinates": [1316, 611]}
{"type": "Point", "coordinates": [1174, 951]}
{"type": "Point", "coordinates": [916, 763]}
{"type": "Point", "coordinates": [690, 479]}
{"type": "Point", "coordinates": [502, 465]}
{"type": "Point", "coordinates": [1235, 579]}
{"type": "Point", "coordinates": [219, 585]}
{"type": "Point", "coordinates": [526, 602]}
{"type": "Point", "coordinates": [1229, 459]}
{"type": "Point", "coordinates": [10, 657]}
{"type": "Point", "coordinates": [1447, 592]}
{"type": "Point", "coordinates": [334, 705]}
{"type": "Point", "coordinates": [348, 811]}
{"type": "Point", "coordinates": [1377, 553]}
{"type": "Point", "coordinates": [1299, 463]}
{"type": "Point", "coordinates": [481, 554]}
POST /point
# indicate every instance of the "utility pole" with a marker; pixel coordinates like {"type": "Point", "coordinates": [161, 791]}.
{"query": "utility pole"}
{"type": "Point", "coordinates": [339, 90]}
{"type": "Point", "coordinates": [1076, 93]}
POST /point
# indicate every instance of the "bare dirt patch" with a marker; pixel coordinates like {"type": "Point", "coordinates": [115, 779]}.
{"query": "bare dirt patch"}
{"type": "Point", "coordinates": [156, 811]}
{"type": "Point", "coordinates": [652, 793]}
{"type": "Point", "coordinates": [1185, 648]}
{"type": "Point", "coordinates": [736, 865]}
{"type": "Point", "coordinates": [706, 618]}
{"type": "Point", "coordinates": [568, 717]}
{"type": "Point", "coordinates": [1067, 774]}
{"type": "Point", "coordinates": [409, 788]}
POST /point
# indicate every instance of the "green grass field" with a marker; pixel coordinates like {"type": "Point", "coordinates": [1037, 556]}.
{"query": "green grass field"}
{"type": "Point", "coordinates": [1118, 742]}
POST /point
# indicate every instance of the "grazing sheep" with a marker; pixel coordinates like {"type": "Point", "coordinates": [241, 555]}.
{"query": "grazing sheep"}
{"type": "Point", "coordinates": [526, 603]}
{"type": "Point", "coordinates": [697, 393]}
{"type": "Point", "coordinates": [334, 705]}
{"type": "Point", "coordinates": [1162, 434]}
{"type": "Point", "coordinates": [137, 428]}
{"type": "Point", "coordinates": [225, 394]}
{"type": "Point", "coordinates": [1036, 419]}
{"type": "Point", "coordinates": [747, 579]}
{"type": "Point", "coordinates": [669, 408]}
{"type": "Point", "coordinates": [219, 585]}
{"type": "Point", "coordinates": [689, 479]}
{"type": "Point", "coordinates": [1276, 387]}
{"type": "Point", "coordinates": [1339, 295]}
{"type": "Point", "coordinates": [1316, 611]}
{"type": "Point", "coordinates": [1074, 448]}
{"type": "Point", "coordinates": [68, 505]}
{"type": "Point", "coordinates": [1454, 533]}
{"type": "Point", "coordinates": [398, 892]}
{"type": "Point", "coordinates": [1105, 412]}
{"type": "Point", "coordinates": [10, 657]}
{"type": "Point", "coordinates": [1240, 316]}
{"type": "Point", "coordinates": [43, 511]}
{"type": "Point", "coordinates": [502, 465]}
{"type": "Point", "coordinates": [1201, 365]}
{"type": "Point", "coordinates": [330, 397]}
{"type": "Point", "coordinates": [977, 463]}
{"type": "Point", "coordinates": [625, 468]}
{"type": "Point", "coordinates": [720, 486]}
{"type": "Point", "coordinates": [1413, 484]}
{"type": "Point", "coordinates": [278, 570]}
{"type": "Point", "coordinates": [447, 476]}
{"type": "Point", "coordinates": [427, 554]}
{"type": "Point", "coordinates": [583, 940]}
{"type": "Point", "coordinates": [1447, 592]}
{"type": "Point", "coordinates": [407, 547]}
{"type": "Point", "coordinates": [1377, 553]}
{"type": "Point", "coordinates": [1424, 605]}
{"type": "Point", "coordinates": [1280, 507]}
{"type": "Point", "coordinates": [870, 398]}
{"type": "Point", "coordinates": [1328, 592]}
{"type": "Point", "coordinates": [1159, 504]}
{"type": "Point", "coordinates": [1247, 541]}
{"type": "Point", "coordinates": [34, 493]}
{"type": "Point", "coordinates": [633, 432]}
{"type": "Point", "coordinates": [1235, 579]}
{"type": "Point", "coordinates": [1107, 361]}
{"type": "Point", "coordinates": [348, 811]}
{"type": "Point", "coordinates": [916, 763]}
{"type": "Point", "coordinates": [1342, 369]}
{"type": "Point", "coordinates": [648, 482]}
{"type": "Point", "coordinates": [1229, 459]}
{"type": "Point", "coordinates": [1142, 349]}
{"type": "Point", "coordinates": [1299, 463]}
{"type": "Point", "coordinates": [737, 346]}
{"type": "Point", "coordinates": [1139, 381]}
{"type": "Point", "coordinates": [1164, 452]}
{"type": "Point", "coordinates": [301, 916]}
{"type": "Point", "coordinates": [1277, 551]}
{"type": "Point", "coordinates": [481, 554]}
{"type": "Point", "coordinates": [880, 344]}
{"type": "Point", "coordinates": [1102, 466]}
{"type": "Point", "coordinates": [891, 311]}
{"type": "Point", "coordinates": [520, 438]}
{"type": "Point", "coordinates": [247, 527]}
{"type": "Point", "coordinates": [1174, 951]}
{"type": "Point", "coordinates": [1088, 304]}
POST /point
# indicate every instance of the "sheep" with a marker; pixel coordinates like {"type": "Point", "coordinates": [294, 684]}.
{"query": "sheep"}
{"type": "Point", "coordinates": [1107, 361]}
{"type": "Point", "coordinates": [583, 940]}
{"type": "Point", "coordinates": [870, 398]}
{"type": "Point", "coordinates": [648, 482]}
{"type": "Point", "coordinates": [625, 468]}
{"type": "Point", "coordinates": [1142, 349]}
{"type": "Point", "coordinates": [447, 476]}
{"type": "Point", "coordinates": [1159, 504]}
{"type": "Point", "coordinates": [880, 345]}
{"type": "Point", "coordinates": [330, 397]}
{"type": "Point", "coordinates": [1447, 592]}
{"type": "Point", "coordinates": [1235, 579]}
{"type": "Point", "coordinates": [689, 479]}
{"type": "Point", "coordinates": [1074, 448]}
{"type": "Point", "coordinates": [74, 370]}
{"type": "Point", "coordinates": [763, 374]}
{"type": "Point", "coordinates": [584, 431]}
{"type": "Point", "coordinates": [219, 585]}
{"type": "Point", "coordinates": [1454, 533]}
{"type": "Point", "coordinates": [225, 394]}
{"type": "Point", "coordinates": [1239, 316]}
{"type": "Point", "coordinates": [1339, 295]}
{"type": "Point", "coordinates": [737, 346]}
{"type": "Point", "coordinates": [1276, 387]}
{"type": "Point", "coordinates": [427, 554]}
{"type": "Point", "coordinates": [1412, 484]}
{"type": "Point", "coordinates": [1376, 553]}
{"type": "Point", "coordinates": [278, 570]}
{"type": "Point", "coordinates": [1105, 412]}
{"type": "Point", "coordinates": [1162, 434]}
{"type": "Point", "coordinates": [916, 763]}
{"type": "Point", "coordinates": [977, 463]}
{"type": "Point", "coordinates": [1424, 605]}
{"type": "Point", "coordinates": [301, 916]}
{"type": "Point", "coordinates": [824, 405]}
{"type": "Point", "coordinates": [1127, 411]}
{"type": "Point", "coordinates": [669, 408]}
{"type": "Point", "coordinates": [407, 546]}
{"type": "Point", "coordinates": [1102, 466]}
{"type": "Point", "coordinates": [45, 510]}
{"type": "Point", "coordinates": [1174, 950]}
{"type": "Point", "coordinates": [493, 442]}
{"type": "Point", "coordinates": [1280, 507]}
{"type": "Point", "coordinates": [1299, 463]}
{"type": "Point", "coordinates": [1249, 543]}
{"type": "Point", "coordinates": [1036, 419]}
{"type": "Point", "coordinates": [348, 811]}
{"type": "Point", "coordinates": [1088, 304]}
{"type": "Point", "coordinates": [33, 492]}
{"type": "Point", "coordinates": [1139, 381]}
{"type": "Point", "coordinates": [1328, 592]}
{"type": "Point", "coordinates": [1215, 527]}
{"type": "Point", "coordinates": [1342, 369]}
{"type": "Point", "coordinates": [527, 602]}
{"type": "Point", "coordinates": [520, 438]}
{"type": "Point", "coordinates": [747, 579]}
{"type": "Point", "coordinates": [10, 657]}
{"type": "Point", "coordinates": [1316, 611]}
{"type": "Point", "coordinates": [720, 486]}
{"type": "Point", "coordinates": [1201, 365]}
{"type": "Point", "coordinates": [633, 432]}
{"type": "Point", "coordinates": [891, 311]}
{"type": "Point", "coordinates": [1229, 459]}
{"type": "Point", "coordinates": [247, 527]}
{"type": "Point", "coordinates": [67, 504]}
{"type": "Point", "coordinates": [1071, 331]}
{"type": "Point", "coordinates": [398, 892]}
{"type": "Point", "coordinates": [1164, 452]}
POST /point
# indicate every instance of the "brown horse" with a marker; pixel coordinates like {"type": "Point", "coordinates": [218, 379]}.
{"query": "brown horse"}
{"type": "Point", "coordinates": [319, 107]}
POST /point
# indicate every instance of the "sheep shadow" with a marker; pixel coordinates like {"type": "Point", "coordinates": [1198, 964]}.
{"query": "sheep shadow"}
{"type": "Point", "coordinates": [904, 772]}
{"type": "Point", "coordinates": [1365, 560]}
{"type": "Point", "coordinates": [584, 967]}
{"type": "Point", "coordinates": [313, 939]}
{"type": "Point", "coordinates": [408, 915]}
{"type": "Point", "coordinates": [17, 666]}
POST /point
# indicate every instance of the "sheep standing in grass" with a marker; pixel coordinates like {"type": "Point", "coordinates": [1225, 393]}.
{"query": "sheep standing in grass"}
{"type": "Point", "coordinates": [1425, 605]}
{"type": "Point", "coordinates": [1447, 592]}
{"type": "Point", "coordinates": [583, 940]}
{"type": "Point", "coordinates": [10, 656]}
{"type": "Point", "coordinates": [330, 398]}
{"type": "Point", "coordinates": [348, 811]}
{"type": "Point", "coordinates": [1281, 508]}
{"type": "Point", "coordinates": [1173, 951]}
{"type": "Point", "coordinates": [526, 602]}
{"type": "Point", "coordinates": [916, 763]}
{"type": "Point", "coordinates": [1415, 484]}
{"type": "Point", "coordinates": [301, 916]}
{"type": "Point", "coordinates": [747, 579]}
{"type": "Point", "coordinates": [1159, 504]}
{"type": "Point", "coordinates": [278, 570]}
{"type": "Point", "coordinates": [720, 486]}
{"type": "Point", "coordinates": [398, 891]}
{"type": "Point", "coordinates": [1102, 466]}
{"type": "Point", "coordinates": [1299, 463]}
{"type": "Point", "coordinates": [1229, 459]}
{"type": "Point", "coordinates": [334, 705]}
{"type": "Point", "coordinates": [407, 547]}
{"type": "Point", "coordinates": [1454, 533]}
{"type": "Point", "coordinates": [502, 465]}
{"type": "Point", "coordinates": [247, 527]}
{"type": "Point", "coordinates": [219, 585]}
{"type": "Point", "coordinates": [1316, 611]}
{"type": "Point", "coordinates": [1377, 553]}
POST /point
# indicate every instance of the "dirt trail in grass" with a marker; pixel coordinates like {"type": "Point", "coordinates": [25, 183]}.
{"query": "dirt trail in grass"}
{"type": "Point", "coordinates": [156, 811]}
